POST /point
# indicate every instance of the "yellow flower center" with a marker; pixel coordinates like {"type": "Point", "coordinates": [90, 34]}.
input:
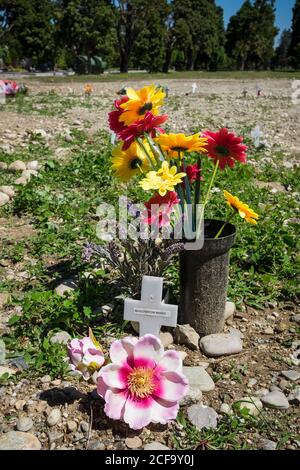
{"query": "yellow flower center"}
{"type": "Point", "coordinates": [140, 382]}
{"type": "Point", "coordinates": [145, 108]}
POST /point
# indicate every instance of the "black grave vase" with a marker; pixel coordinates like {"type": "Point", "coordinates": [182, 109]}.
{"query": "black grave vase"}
{"type": "Point", "coordinates": [204, 280]}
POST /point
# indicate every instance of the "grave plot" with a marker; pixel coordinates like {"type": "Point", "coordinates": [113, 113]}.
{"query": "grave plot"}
{"type": "Point", "coordinates": [57, 286]}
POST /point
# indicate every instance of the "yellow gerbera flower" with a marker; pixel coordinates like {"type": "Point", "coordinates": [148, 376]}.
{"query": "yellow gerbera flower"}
{"type": "Point", "coordinates": [130, 162]}
{"type": "Point", "coordinates": [243, 209]}
{"type": "Point", "coordinates": [174, 144]}
{"type": "Point", "coordinates": [163, 180]}
{"type": "Point", "coordinates": [149, 98]}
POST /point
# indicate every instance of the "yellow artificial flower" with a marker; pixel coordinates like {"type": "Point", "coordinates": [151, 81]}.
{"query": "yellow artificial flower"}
{"type": "Point", "coordinates": [88, 89]}
{"type": "Point", "coordinates": [149, 98]}
{"type": "Point", "coordinates": [130, 162]}
{"type": "Point", "coordinates": [163, 180]}
{"type": "Point", "coordinates": [243, 209]}
{"type": "Point", "coordinates": [175, 144]}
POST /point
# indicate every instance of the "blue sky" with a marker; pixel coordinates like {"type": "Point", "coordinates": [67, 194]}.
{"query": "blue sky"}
{"type": "Point", "coordinates": [283, 11]}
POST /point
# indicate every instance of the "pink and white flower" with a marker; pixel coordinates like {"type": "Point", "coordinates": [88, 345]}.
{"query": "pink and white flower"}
{"type": "Point", "coordinates": [86, 356]}
{"type": "Point", "coordinates": [143, 384]}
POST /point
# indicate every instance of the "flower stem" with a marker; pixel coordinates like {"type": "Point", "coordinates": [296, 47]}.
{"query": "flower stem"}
{"type": "Point", "coordinates": [207, 196]}
{"type": "Point", "coordinates": [142, 146]}
{"type": "Point", "coordinates": [224, 225]}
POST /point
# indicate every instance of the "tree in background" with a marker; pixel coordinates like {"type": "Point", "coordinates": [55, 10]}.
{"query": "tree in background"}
{"type": "Point", "coordinates": [282, 58]}
{"type": "Point", "coordinates": [295, 40]}
{"type": "Point", "coordinates": [251, 33]}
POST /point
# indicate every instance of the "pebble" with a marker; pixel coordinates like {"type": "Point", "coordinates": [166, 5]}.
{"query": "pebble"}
{"type": "Point", "coordinates": [3, 166]}
{"type": "Point", "coordinates": [186, 335]}
{"type": "Point", "coordinates": [294, 397]}
{"type": "Point", "coordinates": [72, 426]}
{"type": "Point", "coordinates": [199, 378]}
{"type": "Point", "coordinates": [268, 331]}
{"type": "Point", "coordinates": [18, 165]}
{"type": "Point", "coordinates": [24, 424]}
{"type": "Point", "coordinates": [281, 327]}
{"type": "Point", "coordinates": [67, 287]}
{"type": "Point", "coordinates": [261, 392]}
{"type": "Point", "coordinates": [96, 445]}
{"type": "Point", "coordinates": [202, 416]}
{"type": "Point", "coordinates": [22, 180]}
{"type": "Point", "coordinates": [252, 382]}
{"type": "Point", "coordinates": [19, 405]}
{"type": "Point", "coordinates": [267, 444]}
{"type": "Point", "coordinates": [46, 379]}
{"type": "Point", "coordinates": [16, 440]}
{"type": "Point", "coordinates": [252, 404]}
{"type": "Point", "coordinates": [61, 337]}
{"type": "Point", "coordinates": [2, 352]}
{"type": "Point", "coordinates": [292, 375]}
{"type": "Point", "coordinates": [34, 165]}
{"type": "Point", "coordinates": [4, 199]}
{"type": "Point", "coordinates": [54, 417]}
{"type": "Point", "coordinates": [225, 409]}
{"type": "Point", "coordinates": [229, 310]}
{"type": "Point", "coordinates": [296, 318]}
{"type": "Point", "coordinates": [84, 426]}
{"type": "Point", "coordinates": [8, 190]}
{"type": "Point", "coordinates": [275, 399]}
{"type": "Point", "coordinates": [133, 442]}
{"type": "Point", "coordinates": [155, 446]}
{"type": "Point", "coordinates": [4, 298]}
{"type": "Point", "coordinates": [166, 339]}
{"type": "Point", "coordinates": [54, 437]}
{"type": "Point", "coordinates": [221, 344]}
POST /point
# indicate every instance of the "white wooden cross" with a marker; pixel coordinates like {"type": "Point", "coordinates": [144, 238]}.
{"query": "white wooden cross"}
{"type": "Point", "coordinates": [151, 312]}
{"type": "Point", "coordinates": [256, 135]}
{"type": "Point", "coordinates": [194, 87]}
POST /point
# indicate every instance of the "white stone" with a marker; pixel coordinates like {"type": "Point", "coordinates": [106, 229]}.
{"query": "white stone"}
{"type": "Point", "coordinates": [4, 199]}
{"type": "Point", "coordinates": [3, 166]}
{"type": "Point", "coordinates": [166, 339]}
{"type": "Point", "coordinates": [187, 336]}
{"type": "Point", "coordinates": [199, 378]}
{"type": "Point", "coordinates": [275, 399]}
{"type": "Point", "coordinates": [225, 409]}
{"type": "Point", "coordinates": [29, 173]}
{"type": "Point", "coordinates": [67, 287]}
{"type": "Point", "coordinates": [18, 165]}
{"type": "Point", "coordinates": [24, 424]}
{"type": "Point", "coordinates": [2, 352]}
{"type": "Point", "coordinates": [252, 404]}
{"type": "Point", "coordinates": [16, 440]}
{"type": "Point", "coordinates": [61, 337]}
{"type": "Point", "coordinates": [22, 180]}
{"type": "Point", "coordinates": [33, 165]}
{"type": "Point", "coordinates": [155, 446]}
{"type": "Point", "coordinates": [54, 417]}
{"type": "Point", "coordinates": [221, 344]}
{"type": "Point", "coordinates": [202, 416]}
{"type": "Point", "coordinates": [292, 375]}
{"type": "Point", "coordinates": [267, 444]}
{"type": "Point", "coordinates": [252, 382]}
{"type": "Point", "coordinates": [229, 310]}
{"type": "Point", "coordinates": [9, 190]}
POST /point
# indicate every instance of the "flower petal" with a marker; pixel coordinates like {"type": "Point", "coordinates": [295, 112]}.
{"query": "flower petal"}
{"type": "Point", "coordinates": [114, 404]}
{"type": "Point", "coordinates": [171, 361]}
{"type": "Point", "coordinates": [163, 411]}
{"type": "Point", "coordinates": [114, 376]}
{"type": "Point", "coordinates": [138, 413]}
{"type": "Point", "coordinates": [122, 350]}
{"type": "Point", "coordinates": [172, 386]}
{"type": "Point", "coordinates": [147, 351]}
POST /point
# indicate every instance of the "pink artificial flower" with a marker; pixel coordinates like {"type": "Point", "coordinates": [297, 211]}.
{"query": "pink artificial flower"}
{"type": "Point", "coordinates": [86, 356]}
{"type": "Point", "coordinates": [225, 147]}
{"type": "Point", "coordinates": [163, 208]}
{"type": "Point", "coordinates": [143, 384]}
{"type": "Point", "coordinates": [9, 87]}
{"type": "Point", "coordinates": [113, 117]}
{"type": "Point", "coordinates": [150, 124]}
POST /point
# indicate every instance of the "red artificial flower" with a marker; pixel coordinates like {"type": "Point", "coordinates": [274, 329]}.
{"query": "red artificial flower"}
{"type": "Point", "coordinates": [225, 147]}
{"type": "Point", "coordinates": [113, 117]}
{"type": "Point", "coordinates": [192, 172]}
{"type": "Point", "coordinates": [149, 124]}
{"type": "Point", "coordinates": [161, 214]}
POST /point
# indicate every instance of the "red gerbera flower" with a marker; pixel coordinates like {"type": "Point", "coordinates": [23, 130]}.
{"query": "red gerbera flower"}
{"type": "Point", "coordinates": [113, 117]}
{"type": "Point", "coordinates": [191, 172]}
{"type": "Point", "coordinates": [149, 124]}
{"type": "Point", "coordinates": [225, 147]}
{"type": "Point", "coordinates": [163, 208]}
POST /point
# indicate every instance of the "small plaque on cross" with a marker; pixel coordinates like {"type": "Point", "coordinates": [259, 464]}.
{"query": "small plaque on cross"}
{"type": "Point", "coordinates": [151, 312]}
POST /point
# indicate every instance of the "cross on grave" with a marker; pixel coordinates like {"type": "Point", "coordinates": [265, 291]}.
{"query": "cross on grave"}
{"type": "Point", "coordinates": [151, 312]}
{"type": "Point", "coordinates": [256, 135]}
{"type": "Point", "coordinates": [194, 87]}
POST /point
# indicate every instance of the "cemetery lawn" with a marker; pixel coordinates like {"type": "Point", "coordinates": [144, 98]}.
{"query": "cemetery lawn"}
{"type": "Point", "coordinates": [43, 230]}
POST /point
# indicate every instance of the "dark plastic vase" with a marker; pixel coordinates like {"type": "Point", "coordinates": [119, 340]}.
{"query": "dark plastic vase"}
{"type": "Point", "coordinates": [204, 280]}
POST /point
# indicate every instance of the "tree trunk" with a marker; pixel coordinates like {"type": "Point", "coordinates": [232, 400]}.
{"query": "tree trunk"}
{"type": "Point", "coordinates": [124, 60]}
{"type": "Point", "coordinates": [167, 62]}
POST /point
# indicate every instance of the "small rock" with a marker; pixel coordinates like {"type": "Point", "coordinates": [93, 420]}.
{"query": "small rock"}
{"type": "Point", "coordinates": [252, 382]}
{"type": "Point", "coordinates": [193, 395]}
{"type": "Point", "coordinates": [281, 327]}
{"type": "Point", "coordinates": [4, 298]}
{"type": "Point", "coordinates": [18, 165]}
{"type": "Point", "coordinates": [267, 444]}
{"type": "Point", "coordinates": [155, 446]}
{"type": "Point", "coordinates": [24, 424]}
{"type": "Point", "coordinates": [34, 165]}
{"type": "Point", "coordinates": [96, 445]}
{"type": "Point", "coordinates": [296, 318]}
{"type": "Point", "coordinates": [2, 352]}
{"type": "Point", "coordinates": [133, 442]}
{"type": "Point", "coordinates": [261, 392]}
{"type": "Point", "coordinates": [221, 344]}
{"type": "Point", "coordinates": [4, 199]}
{"type": "Point", "coordinates": [275, 399]}
{"type": "Point", "coordinates": [202, 416]}
{"type": "Point", "coordinates": [55, 437]}
{"type": "Point", "coordinates": [22, 180]}
{"type": "Point", "coordinates": [252, 404]}
{"type": "Point", "coordinates": [294, 397]}
{"type": "Point", "coordinates": [229, 309]}
{"type": "Point", "coordinates": [225, 409]}
{"type": "Point", "coordinates": [66, 288]}
{"type": "Point", "coordinates": [28, 174]}
{"type": "Point", "coordinates": [16, 440]}
{"type": "Point", "coordinates": [292, 375]}
{"type": "Point", "coordinates": [199, 378]}
{"type": "Point", "coordinates": [8, 190]}
{"type": "Point", "coordinates": [268, 331]}
{"type": "Point", "coordinates": [61, 337]}
{"type": "Point", "coordinates": [3, 166]}
{"type": "Point", "coordinates": [84, 426]}
{"type": "Point", "coordinates": [72, 426]}
{"type": "Point", "coordinates": [19, 405]}
{"type": "Point", "coordinates": [166, 339]}
{"type": "Point", "coordinates": [187, 336]}
{"type": "Point", "coordinates": [54, 417]}
{"type": "Point", "coordinates": [68, 138]}
{"type": "Point", "coordinates": [6, 370]}
{"type": "Point", "coordinates": [46, 379]}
